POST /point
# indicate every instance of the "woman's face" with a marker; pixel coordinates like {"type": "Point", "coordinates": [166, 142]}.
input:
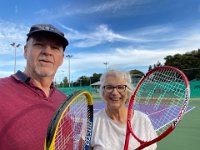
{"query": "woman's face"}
{"type": "Point", "coordinates": [115, 92]}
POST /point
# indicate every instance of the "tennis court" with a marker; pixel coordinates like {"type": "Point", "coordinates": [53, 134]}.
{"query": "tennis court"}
{"type": "Point", "coordinates": [187, 134]}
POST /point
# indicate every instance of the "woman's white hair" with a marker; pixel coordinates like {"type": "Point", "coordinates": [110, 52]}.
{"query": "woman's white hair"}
{"type": "Point", "coordinates": [120, 74]}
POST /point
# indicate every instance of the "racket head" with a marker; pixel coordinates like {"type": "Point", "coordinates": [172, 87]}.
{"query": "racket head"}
{"type": "Point", "coordinates": [71, 123]}
{"type": "Point", "coordinates": [163, 95]}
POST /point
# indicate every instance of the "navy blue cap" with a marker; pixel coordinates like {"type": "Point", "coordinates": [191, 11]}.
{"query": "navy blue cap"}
{"type": "Point", "coordinates": [48, 28]}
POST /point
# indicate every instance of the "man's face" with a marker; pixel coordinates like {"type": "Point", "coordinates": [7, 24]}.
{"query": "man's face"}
{"type": "Point", "coordinates": [44, 55]}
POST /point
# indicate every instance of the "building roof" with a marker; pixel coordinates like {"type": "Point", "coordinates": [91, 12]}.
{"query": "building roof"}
{"type": "Point", "coordinates": [96, 83]}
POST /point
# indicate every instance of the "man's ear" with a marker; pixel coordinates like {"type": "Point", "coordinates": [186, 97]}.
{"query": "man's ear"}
{"type": "Point", "coordinates": [25, 52]}
{"type": "Point", "coordinates": [62, 59]}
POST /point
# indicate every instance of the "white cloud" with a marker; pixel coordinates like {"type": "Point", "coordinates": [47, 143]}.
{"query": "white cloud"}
{"type": "Point", "coordinates": [89, 63]}
{"type": "Point", "coordinates": [116, 7]}
{"type": "Point", "coordinates": [190, 40]}
{"type": "Point", "coordinates": [5, 73]}
{"type": "Point", "coordinates": [120, 58]}
{"type": "Point", "coordinates": [123, 57]}
{"type": "Point", "coordinates": [100, 35]}
{"type": "Point", "coordinates": [10, 33]}
{"type": "Point", "coordinates": [158, 36]}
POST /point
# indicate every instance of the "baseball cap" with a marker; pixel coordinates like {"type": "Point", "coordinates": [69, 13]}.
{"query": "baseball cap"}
{"type": "Point", "coordinates": [48, 28]}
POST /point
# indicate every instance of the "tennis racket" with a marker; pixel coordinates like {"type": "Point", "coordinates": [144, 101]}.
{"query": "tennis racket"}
{"type": "Point", "coordinates": [162, 94]}
{"type": "Point", "coordinates": [71, 125]}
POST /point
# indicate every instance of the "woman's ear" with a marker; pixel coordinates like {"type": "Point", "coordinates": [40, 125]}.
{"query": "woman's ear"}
{"type": "Point", "coordinates": [128, 97]}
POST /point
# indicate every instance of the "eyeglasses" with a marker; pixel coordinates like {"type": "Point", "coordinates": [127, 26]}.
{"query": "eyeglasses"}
{"type": "Point", "coordinates": [110, 88]}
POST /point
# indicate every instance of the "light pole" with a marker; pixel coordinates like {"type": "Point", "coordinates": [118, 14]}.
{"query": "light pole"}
{"type": "Point", "coordinates": [80, 82]}
{"type": "Point", "coordinates": [90, 81]}
{"type": "Point", "coordinates": [62, 78]}
{"type": "Point", "coordinates": [106, 64]}
{"type": "Point", "coordinates": [69, 57]}
{"type": "Point", "coordinates": [15, 47]}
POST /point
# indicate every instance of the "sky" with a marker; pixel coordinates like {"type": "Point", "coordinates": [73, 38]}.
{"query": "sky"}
{"type": "Point", "coordinates": [102, 34]}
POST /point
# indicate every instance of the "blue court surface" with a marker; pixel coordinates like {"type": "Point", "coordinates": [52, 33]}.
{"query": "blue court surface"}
{"type": "Point", "coordinates": [149, 110]}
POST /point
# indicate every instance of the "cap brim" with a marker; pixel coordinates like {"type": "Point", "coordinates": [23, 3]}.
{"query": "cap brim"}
{"type": "Point", "coordinates": [62, 38]}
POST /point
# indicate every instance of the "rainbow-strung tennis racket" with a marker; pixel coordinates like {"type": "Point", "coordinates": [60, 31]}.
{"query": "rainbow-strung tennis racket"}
{"type": "Point", "coordinates": [163, 94]}
{"type": "Point", "coordinates": [71, 125]}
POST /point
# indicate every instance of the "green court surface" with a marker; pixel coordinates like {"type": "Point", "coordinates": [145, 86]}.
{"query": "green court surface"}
{"type": "Point", "coordinates": [186, 135]}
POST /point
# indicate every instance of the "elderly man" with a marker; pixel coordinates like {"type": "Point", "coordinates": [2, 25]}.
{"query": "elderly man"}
{"type": "Point", "coordinates": [29, 98]}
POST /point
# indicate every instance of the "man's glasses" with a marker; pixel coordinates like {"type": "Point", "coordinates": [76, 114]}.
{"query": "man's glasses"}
{"type": "Point", "coordinates": [110, 88]}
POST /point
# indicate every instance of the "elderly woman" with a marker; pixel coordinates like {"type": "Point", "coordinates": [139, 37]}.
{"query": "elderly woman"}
{"type": "Point", "coordinates": [109, 129]}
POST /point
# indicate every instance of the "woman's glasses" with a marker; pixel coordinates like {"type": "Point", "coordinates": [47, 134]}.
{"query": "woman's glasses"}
{"type": "Point", "coordinates": [110, 88]}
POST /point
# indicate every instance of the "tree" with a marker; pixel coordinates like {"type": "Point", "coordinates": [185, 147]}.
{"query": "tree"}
{"type": "Point", "coordinates": [95, 77]}
{"type": "Point", "coordinates": [136, 75]}
{"type": "Point", "coordinates": [154, 66]}
{"type": "Point", "coordinates": [150, 68]}
{"type": "Point", "coordinates": [136, 72]}
{"type": "Point", "coordinates": [189, 63]}
{"type": "Point", "coordinates": [65, 82]}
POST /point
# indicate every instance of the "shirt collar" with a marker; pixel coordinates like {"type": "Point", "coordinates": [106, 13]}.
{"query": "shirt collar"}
{"type": "Point", "coordinates": [20, 76]}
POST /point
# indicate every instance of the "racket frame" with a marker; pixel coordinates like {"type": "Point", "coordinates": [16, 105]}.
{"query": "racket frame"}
{"type": "Point", "coordinates": [129, 130]}
{"type": "Point", "coordinates": [57, 117]}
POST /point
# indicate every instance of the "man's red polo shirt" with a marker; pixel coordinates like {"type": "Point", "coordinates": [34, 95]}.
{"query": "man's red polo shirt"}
{"type": "Point", "coordinates": [25, 113]}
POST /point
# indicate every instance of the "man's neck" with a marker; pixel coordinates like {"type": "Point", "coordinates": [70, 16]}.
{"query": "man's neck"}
{"type": "Point", "coordinates": [43, 83]}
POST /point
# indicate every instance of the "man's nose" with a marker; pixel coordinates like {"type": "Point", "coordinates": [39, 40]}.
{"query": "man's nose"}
{"type": "Point", "coordinates": [47, 50]}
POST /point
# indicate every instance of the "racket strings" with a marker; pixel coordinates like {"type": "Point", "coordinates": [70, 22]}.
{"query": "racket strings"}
{"type": "Point", "coordinates": [71, 126]}
{"type": "Point", "coordinates": [161, 96]}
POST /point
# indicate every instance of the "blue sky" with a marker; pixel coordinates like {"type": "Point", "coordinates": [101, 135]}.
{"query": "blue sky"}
{"type": "Point", "coordinates": [128, 34]}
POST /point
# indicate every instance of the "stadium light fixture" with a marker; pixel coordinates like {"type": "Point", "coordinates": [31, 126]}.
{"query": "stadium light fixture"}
{"type": "Point", "coordinates": [15, 47]}
{"type": "Point", "coordinates": [69, 57]}
{"type": "Point", "coordinates": [106, 64]}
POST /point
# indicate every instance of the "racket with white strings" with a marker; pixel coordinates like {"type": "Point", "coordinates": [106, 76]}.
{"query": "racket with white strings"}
{"type": "Point", "coordinates": [162, 94]}
{"type": "Point", "coordinates": [71, 125]}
